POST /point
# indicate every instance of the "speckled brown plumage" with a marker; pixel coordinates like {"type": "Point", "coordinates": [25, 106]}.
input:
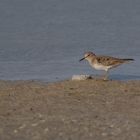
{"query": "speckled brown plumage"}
{"type": "Point", "coordinates": [107, 60]}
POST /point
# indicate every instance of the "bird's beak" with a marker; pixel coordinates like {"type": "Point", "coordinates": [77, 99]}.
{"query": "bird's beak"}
{"type": "Point", "coordinates": [84, 58]}
{"type": "Point", "coordinates": [81, 59]}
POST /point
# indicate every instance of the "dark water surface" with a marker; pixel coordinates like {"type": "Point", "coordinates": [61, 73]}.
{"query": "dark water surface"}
{"type": "Point", "coordinates": [43, 40]}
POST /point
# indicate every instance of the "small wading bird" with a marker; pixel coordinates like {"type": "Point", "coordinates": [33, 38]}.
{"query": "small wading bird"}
{"type": "Point", "coordinates": [104, 62]}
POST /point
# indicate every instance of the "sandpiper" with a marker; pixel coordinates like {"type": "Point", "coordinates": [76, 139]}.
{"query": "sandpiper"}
{"type": "Point", "coordinates": [104, 62]}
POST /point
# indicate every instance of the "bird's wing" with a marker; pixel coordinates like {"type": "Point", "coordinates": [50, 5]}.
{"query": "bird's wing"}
{"type": "Point", "coordinates": [107, 60]}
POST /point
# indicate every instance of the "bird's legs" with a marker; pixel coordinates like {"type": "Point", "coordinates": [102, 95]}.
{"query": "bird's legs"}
{"type": "Point", "coordinates": [106, 75]}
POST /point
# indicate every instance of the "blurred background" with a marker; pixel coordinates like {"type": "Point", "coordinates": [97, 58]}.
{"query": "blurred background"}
{"type": "Point", "coordinates": [44, 40]}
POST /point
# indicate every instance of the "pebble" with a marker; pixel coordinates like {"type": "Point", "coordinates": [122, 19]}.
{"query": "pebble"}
{"type": "Point", "coordinates": [81, 77]}
{"type": "Point", "coordinates": [35, 124]}
{"type": "Point", "coordinates": [15, 131]}
{"type": "Point", "coordinates": [22, 126]}
{"type": "Point", "coordinates": [104, 134]}
{"type": "Point", "coordinates": [46, 130]}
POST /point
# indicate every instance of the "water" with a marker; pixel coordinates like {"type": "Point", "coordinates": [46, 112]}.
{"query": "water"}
{"type": "Point", "coordinates": [43, 40]}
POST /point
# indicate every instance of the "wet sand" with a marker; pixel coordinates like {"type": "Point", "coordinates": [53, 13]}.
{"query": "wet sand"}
{"type": "Point", "coordinates": [70, 110]}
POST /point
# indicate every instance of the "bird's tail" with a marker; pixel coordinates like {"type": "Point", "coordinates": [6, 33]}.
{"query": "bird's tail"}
{"type": "Point", "coordinates": [127, 60]}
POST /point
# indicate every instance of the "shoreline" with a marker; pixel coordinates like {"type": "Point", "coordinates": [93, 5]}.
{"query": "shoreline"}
{"type": "Point", "coordinates": [89, 109]}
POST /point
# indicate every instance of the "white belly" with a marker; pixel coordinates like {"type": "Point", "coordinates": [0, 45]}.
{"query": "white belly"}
{"type": "Point", "coordinates": [100, 67]}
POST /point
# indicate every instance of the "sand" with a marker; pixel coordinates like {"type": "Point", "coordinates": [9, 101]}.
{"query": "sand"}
{"type": "Point", "coordinates": [70, 110]}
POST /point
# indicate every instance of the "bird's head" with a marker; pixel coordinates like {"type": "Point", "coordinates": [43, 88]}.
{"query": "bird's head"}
{"type": "Point", "coordinates": [87, 55]}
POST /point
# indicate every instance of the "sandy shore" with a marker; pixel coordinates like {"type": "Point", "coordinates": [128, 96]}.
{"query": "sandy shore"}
{"type": "Point", "coordinates": [70, 110]}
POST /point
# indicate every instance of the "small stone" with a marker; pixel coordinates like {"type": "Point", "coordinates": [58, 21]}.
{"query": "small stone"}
{"type": "Point", "coordinates": [112, 126]}
{"type": "Point", "coordinates": [15, 131]}
{"type": "Point", "coordinates": [40, 115]}
{"type": "Point", "coordinates": [42, 121]}
{"type": "Point", "coordinates": [104, 134]}
{"type": "Point", "coordinates": [46, 130]}
{"type": "Point", "coordinates": [22, 126]}
{"type": "Point", "coordinates": [81, 77]}
{"type": "Point", "coordinates": [34, 124]}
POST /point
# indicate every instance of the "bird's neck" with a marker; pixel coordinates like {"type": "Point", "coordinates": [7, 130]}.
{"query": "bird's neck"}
{"type": "Point", "coordinates": [91, 59]}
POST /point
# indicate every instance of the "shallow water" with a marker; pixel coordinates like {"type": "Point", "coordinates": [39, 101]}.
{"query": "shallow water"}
{"type": "Point", "coordinates": [43, 40]}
